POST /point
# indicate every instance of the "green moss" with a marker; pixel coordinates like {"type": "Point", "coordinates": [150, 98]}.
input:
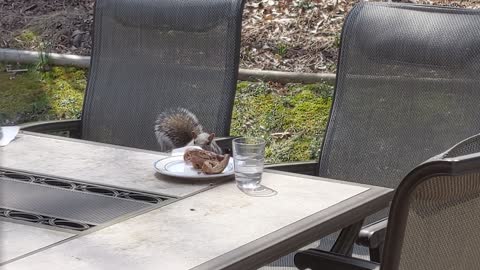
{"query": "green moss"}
{"type": "Point", "coordinates": [26, 39]}
{"type": "Point", "coordinates": [292, 124]}
{"type": "Point", "coordinates": [65, 88]}
{"type": "Point", "coordinates": [242, 86]}
{"type": "Point", "coordinates": [34, 95]}
{"type": "Point", "coordinates": [21, 97]}
{"type": "Point", "coordinates": [324, 90]}
{"type": "Point", "coordinates": [282, 49]}
{"type": "Point", "coordinates": [28, 36]}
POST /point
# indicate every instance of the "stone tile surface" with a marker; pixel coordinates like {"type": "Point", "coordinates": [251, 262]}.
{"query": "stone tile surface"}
{"type": "Point", "coordinates": [192, 231]}
{"type": "Point", "coordinates": [19, 239]}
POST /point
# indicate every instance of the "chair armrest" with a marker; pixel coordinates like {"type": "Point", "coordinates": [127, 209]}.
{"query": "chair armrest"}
{"type": "Point", "coordinates": [225, 144]}
{"type": "Point", "coordinates": [373, 237]}
{"type": "Point", "coordinates": [306, 168]}
{"type": "Point", "coordinates": [316, 259]}
{"type": "Point", "coordinates": [73, 127]}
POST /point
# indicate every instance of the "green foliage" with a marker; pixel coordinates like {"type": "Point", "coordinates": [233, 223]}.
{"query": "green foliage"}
{"type": "Point", "coordinates": [292, 124]}
{"type": "Point", "coordinates": [21, 98]}
{"type": "Point", "coordinates": [282, 49]}
{"type": "Point", "coordinates": [65, 88]}
{"type": "Point", "coordinates": [292, 121]}
{"type": "Point", "coordinates": [27, 39]}
{"type": "Point", "coordinates": [37, 95]}
{"type": "Point", "coordinates": [303, 4]}
{"type": "Point", "coordinates": [43, 62]}
{"type": "Point", "coordinates": [338, 38]}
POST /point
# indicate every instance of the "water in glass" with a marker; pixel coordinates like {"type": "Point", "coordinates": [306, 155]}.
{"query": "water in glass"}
{"type": "Point", "coordinates": [248, 170]}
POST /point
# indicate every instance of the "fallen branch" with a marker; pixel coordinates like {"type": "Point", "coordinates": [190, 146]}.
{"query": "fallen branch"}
{"type": "Point", "coordinates": [31, 57]}
{"type": "Point", "coordinates": [284, 77]}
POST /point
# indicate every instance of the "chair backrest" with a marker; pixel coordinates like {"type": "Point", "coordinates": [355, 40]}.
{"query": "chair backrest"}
{"type": "Point", "coordinates": [435, 214]}
{"type": "Point", "coordinates": [150, 56]}
{"type": "Point", "coordinates": [408, 86]}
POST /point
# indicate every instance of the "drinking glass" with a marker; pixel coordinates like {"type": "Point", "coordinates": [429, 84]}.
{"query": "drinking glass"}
{"type": "Point", "coordinates": [249, 157]}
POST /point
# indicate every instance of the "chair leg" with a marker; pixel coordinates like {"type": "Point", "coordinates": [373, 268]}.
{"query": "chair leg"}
{"type": "Point", "coordinates": [345, 241]}
{"type": "Point", "coordinates": [376, 253]}
{"type": "Point", "coordinates": [308, 259]}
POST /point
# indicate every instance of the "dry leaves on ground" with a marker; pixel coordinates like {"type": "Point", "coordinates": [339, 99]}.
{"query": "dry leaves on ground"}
{"type": "Point", "coordinates": [289, 35]}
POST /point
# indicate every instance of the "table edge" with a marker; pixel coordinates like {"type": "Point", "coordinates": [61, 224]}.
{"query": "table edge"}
{"type": "Point", "coordinates": [320, 178]}
{"type": "Point", "coordinates": [268, 248]}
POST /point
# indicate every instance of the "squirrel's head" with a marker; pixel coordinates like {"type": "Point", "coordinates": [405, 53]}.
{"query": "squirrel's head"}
{"type": "Point", "coordinates": [202, 138]}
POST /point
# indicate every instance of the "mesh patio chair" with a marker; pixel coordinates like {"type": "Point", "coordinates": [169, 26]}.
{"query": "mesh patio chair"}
{"type": "Point", "coordinates": [149, 56]}
{"type": "Point", "coordinates": [433, 222]}
{"type": "Point", "coordinates": [407, 88]}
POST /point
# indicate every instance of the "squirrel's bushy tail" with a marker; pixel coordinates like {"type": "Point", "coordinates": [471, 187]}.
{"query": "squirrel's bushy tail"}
{"type": "Point", "coordinates": [174, 127]}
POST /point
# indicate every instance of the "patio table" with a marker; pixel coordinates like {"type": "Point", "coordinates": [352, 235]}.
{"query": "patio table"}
{"type": "Point", "coordinates": [206, 225]}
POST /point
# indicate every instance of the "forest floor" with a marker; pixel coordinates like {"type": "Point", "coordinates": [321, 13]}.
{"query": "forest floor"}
{"type": "Point", "coordinates": [289, 35]}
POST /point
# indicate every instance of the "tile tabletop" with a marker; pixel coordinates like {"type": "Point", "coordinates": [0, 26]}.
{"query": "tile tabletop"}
{"type": "Point", "coordinates": [210, 227]}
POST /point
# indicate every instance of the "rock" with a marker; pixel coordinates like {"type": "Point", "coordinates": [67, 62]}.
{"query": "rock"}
{"type": "Point", "coordinates": [77, 38]}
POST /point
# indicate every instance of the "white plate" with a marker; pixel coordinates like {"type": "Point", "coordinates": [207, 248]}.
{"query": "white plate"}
{"type": "Point", "coordinates": [176, 166]}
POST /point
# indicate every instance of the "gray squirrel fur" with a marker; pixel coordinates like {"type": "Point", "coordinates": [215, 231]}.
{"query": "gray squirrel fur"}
{"type": "Point", "coordinates": [179, 127]}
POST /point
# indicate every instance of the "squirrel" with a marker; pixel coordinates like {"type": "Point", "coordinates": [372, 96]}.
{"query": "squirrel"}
{"type": "Point", "coordinates": [179, 127]}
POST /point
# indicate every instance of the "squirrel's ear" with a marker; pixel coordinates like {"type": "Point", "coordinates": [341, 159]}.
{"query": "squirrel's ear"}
{"type": "Point", "coordinates": [194, 134]}
{"type": "Point", "coordinates": [211, 137]}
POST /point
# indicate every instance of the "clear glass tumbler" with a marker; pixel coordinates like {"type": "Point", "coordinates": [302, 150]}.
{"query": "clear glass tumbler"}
{"type": "Point", "coordinates": [249, 158]}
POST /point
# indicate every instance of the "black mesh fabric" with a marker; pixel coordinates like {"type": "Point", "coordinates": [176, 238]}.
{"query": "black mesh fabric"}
{"type": "Point", "coordinates": [152, 55]}
{"type": "Point", "coordinates": [408, 88]}
{"type": "Point", "coordinates": [441, 230]}
{"type": "Point", "coordinates": [466, 147]}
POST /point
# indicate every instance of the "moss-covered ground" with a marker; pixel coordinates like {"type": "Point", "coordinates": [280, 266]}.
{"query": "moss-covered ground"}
{"type": "Point", "coordinates": [290, 118]}
{"type": "Point", "coordinates": [292, 121]}
{"type": "Point", "coordinates": [46, 95]}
